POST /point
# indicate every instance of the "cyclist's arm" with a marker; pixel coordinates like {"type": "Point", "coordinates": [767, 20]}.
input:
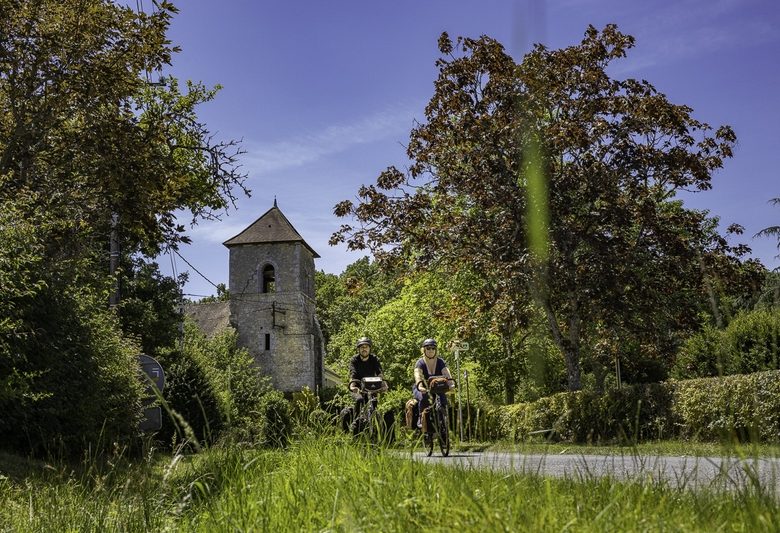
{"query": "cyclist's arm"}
{"type": "Point", "coordinates": [419, 379]}
{"type": "Point", "coordinates": [354, 381]}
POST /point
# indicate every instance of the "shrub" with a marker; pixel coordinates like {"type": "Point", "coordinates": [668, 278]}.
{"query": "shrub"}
{"type": "Point", "coordinates": [750, 343]}
{"type": "Point", "coordinates": [753, 340]}
{"type": "Point", "coordinates": [334, 399]}
{"type": "Point", "coordinates": [702, 355]}
{"type": "Point", "coordinates": [82, 389]}
{"type": "Point", "coordinates": [214, 385]}
{"type": "Point", "coordinates": [236, 378]}
{"type": "Point", "coordinates": [275, 419]}
{"type": "Point", "coordinates": [192, 408]}
{"type": "Point", "coordinates": [744, 407]}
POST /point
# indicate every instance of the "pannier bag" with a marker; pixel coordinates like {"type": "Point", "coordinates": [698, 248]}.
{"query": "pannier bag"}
{"type": "Point", "coordinates": [424, 418]}
{"type": "Point", "coordinates": [411, 413]}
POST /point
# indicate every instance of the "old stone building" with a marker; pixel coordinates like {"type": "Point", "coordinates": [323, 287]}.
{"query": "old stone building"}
{"type": "Point", "coordinates": [272, 303]}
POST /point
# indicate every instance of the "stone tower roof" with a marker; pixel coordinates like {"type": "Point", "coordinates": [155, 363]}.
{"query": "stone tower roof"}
{"type": "Point", "coordinates": [271, 227]}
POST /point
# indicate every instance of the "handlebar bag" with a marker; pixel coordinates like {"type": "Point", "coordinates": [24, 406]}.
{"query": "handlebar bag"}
{"type": "Point", "coordinates": [439, 385]}
{"type": "Point", "coordinates": [372, 383]}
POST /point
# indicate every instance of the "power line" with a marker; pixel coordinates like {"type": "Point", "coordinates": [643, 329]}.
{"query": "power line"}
{"type": "Point", "coordinates": [173, 266]}
{"type": "Point", "coordinates": [195, 269]}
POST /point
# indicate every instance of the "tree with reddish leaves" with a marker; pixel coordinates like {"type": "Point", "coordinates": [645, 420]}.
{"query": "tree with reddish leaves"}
{"type": "Point", "coordinates": [557, 184]}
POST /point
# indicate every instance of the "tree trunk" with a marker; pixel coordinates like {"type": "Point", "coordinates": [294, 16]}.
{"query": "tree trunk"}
{"type": "Point", "coordinates": [509, 382]}
{"type": "Point", "coordinates": [509, 389]}
{"type": "Point", "coordinates": [572, 356]}
{"type": "Point", "coordinates": [569, 347]}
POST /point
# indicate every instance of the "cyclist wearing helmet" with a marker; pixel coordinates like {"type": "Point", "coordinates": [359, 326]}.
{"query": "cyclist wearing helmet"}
{"type": "Point", "coordinates": [428, 365]}
{"type": "Point", "coordinates": [363, 364]}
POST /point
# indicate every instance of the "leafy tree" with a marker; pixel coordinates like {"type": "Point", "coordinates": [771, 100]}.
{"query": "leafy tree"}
{"type": "Point", "coordinates": [344, 303]}
{"type": "Point", "coordinates": [769, 294]}
{"type": "Point", "coordinates": [84, 137]}
{"type": "Point", "coordinates": [223, 295]}
{"type": "Point", "coordinates": [149, 308]}
{"type": "Point", "coordinates": [81, 124]}
{"type": "Point", "coordinates": [68, 377]}
{"type": "Point", "coordinates": [553, 181]}
{"type": "Point", "coordinates": [771, 231]}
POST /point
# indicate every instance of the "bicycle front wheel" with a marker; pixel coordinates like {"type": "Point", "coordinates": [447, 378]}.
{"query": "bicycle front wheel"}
{"type": "Point", "coordinates": [430, 435]}
{"type": "Point", "coordinates": [444, 436]}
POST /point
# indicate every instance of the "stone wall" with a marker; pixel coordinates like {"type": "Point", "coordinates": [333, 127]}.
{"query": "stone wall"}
{"type": "Point", "coordinates": [278, 328]}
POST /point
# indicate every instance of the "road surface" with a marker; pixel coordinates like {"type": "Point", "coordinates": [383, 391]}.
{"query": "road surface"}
{"type": "Point", "coordinates": [683, 472]}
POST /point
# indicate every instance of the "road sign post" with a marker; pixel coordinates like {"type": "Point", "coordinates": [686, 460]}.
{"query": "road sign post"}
{"type": "Point", "coordinates": [457, 347]}
{"type": "Point", "coordinates": [468, 410]}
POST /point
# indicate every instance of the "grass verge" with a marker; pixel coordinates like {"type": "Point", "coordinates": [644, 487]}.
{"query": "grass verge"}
{"type": "Point", "coordinates": [333, 485]}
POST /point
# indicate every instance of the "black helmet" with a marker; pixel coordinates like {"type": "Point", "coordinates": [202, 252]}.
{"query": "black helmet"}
{"type": "Point", "coordinates": [363, 340]}
{"type": "Point", "coordinates": [429, 342]}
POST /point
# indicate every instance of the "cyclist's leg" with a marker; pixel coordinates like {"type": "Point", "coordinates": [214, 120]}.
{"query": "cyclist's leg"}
{"type": "Point", "coordinates": [422, 403]}
{"type": "Point", "coordinates": [358, 413]}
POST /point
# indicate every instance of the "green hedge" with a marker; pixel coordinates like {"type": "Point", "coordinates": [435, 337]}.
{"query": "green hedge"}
{"type": "Point", "coordinates": [744, 407]}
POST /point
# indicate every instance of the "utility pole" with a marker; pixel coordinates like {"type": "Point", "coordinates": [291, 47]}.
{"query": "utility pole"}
{"type": "Point", "coordinates": [113, 299]}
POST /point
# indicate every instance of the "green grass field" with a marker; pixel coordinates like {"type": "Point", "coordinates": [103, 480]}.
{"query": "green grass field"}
{"type": "Point", "coordinates": [333, 485]}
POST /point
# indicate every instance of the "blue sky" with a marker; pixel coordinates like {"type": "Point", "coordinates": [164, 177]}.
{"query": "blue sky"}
{"type": "Point", "coordinates": [324, 93]}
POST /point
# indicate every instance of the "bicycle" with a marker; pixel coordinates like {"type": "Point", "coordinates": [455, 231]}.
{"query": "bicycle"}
{"type": "Point", "coordinates": [365, 423]}
{"type": "Point", "coordinates": [434, 417]}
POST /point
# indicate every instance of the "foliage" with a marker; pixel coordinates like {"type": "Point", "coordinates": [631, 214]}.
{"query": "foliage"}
{"type": "Point", "coordinates": [213, 386]}
{"type": "Point", "coordinates": [750, 343]}
{"type": "Point", "coordinates": [68, 376]}
{"type": "Point", "coordinates": [276, 420]}
{"type": "Point", "coordinates": [149, 308]}
{"type": "Point", "coordinates": [732, 408]}
{"type": "Point", "coordinates": [309, 416]}
{"type": "Point", "coordinates": [769, 294]}
{"type": "Point", "coordinates": [433, 304]}
{"type": "Point", "coordinates": [745, 407]}
{"type": "Point", "coordinates": [84, 138]}
{"type": "Point", "coordinates": [223, 295]}
{"type": "Point", "coordinates": [345, 301]}
{"type": "Point", "coordinates": [772, 231]}
{"type": "Point", "coordinates": [81, 124]}
{"type": "Point", "coordinates": [552, 180]}
{"type": "Point", "coordinates": [629, 414]}
{"type": "Point", "coordinates": [191, 411]}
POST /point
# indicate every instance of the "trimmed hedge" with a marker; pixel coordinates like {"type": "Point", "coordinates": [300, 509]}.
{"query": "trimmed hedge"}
{"type": "Point", "coordinates": [746, 407]}
{"type": "Point", "coordinates": [743, 407]}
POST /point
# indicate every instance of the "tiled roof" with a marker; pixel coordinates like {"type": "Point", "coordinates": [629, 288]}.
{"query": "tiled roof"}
{"type": "Point", "coordinates": [272, 227]}
{"type": "Point", "coordinates": [211, 318]}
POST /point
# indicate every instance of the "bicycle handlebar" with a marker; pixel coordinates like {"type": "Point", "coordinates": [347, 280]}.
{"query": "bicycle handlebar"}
{"type": "Point", "coordinates": [432, 378]}
{"type": "Point", "coordinates": [363, 390]}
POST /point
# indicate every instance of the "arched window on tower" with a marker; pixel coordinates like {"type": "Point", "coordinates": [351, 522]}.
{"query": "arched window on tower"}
{"type": "Point", "coordinates": [269, 279]}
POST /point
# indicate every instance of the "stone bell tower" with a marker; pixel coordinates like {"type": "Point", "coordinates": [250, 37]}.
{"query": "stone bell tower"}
{"type": "Point", "coordinates": [272, 301]}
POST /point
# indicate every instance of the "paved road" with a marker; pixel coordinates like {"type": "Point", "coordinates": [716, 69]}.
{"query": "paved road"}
{"type": "Point", "coordinates": [684, 472]}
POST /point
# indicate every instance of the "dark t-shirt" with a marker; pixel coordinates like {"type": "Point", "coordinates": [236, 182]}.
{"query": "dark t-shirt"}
{"type": "Point", "coordinates": [359, 369]}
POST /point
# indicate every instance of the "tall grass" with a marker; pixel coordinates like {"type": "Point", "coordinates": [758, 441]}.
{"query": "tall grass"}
{"type": "Point", "coordinates": [322, 486]}
{"type": "Point", "coordinates": [333, 485]}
